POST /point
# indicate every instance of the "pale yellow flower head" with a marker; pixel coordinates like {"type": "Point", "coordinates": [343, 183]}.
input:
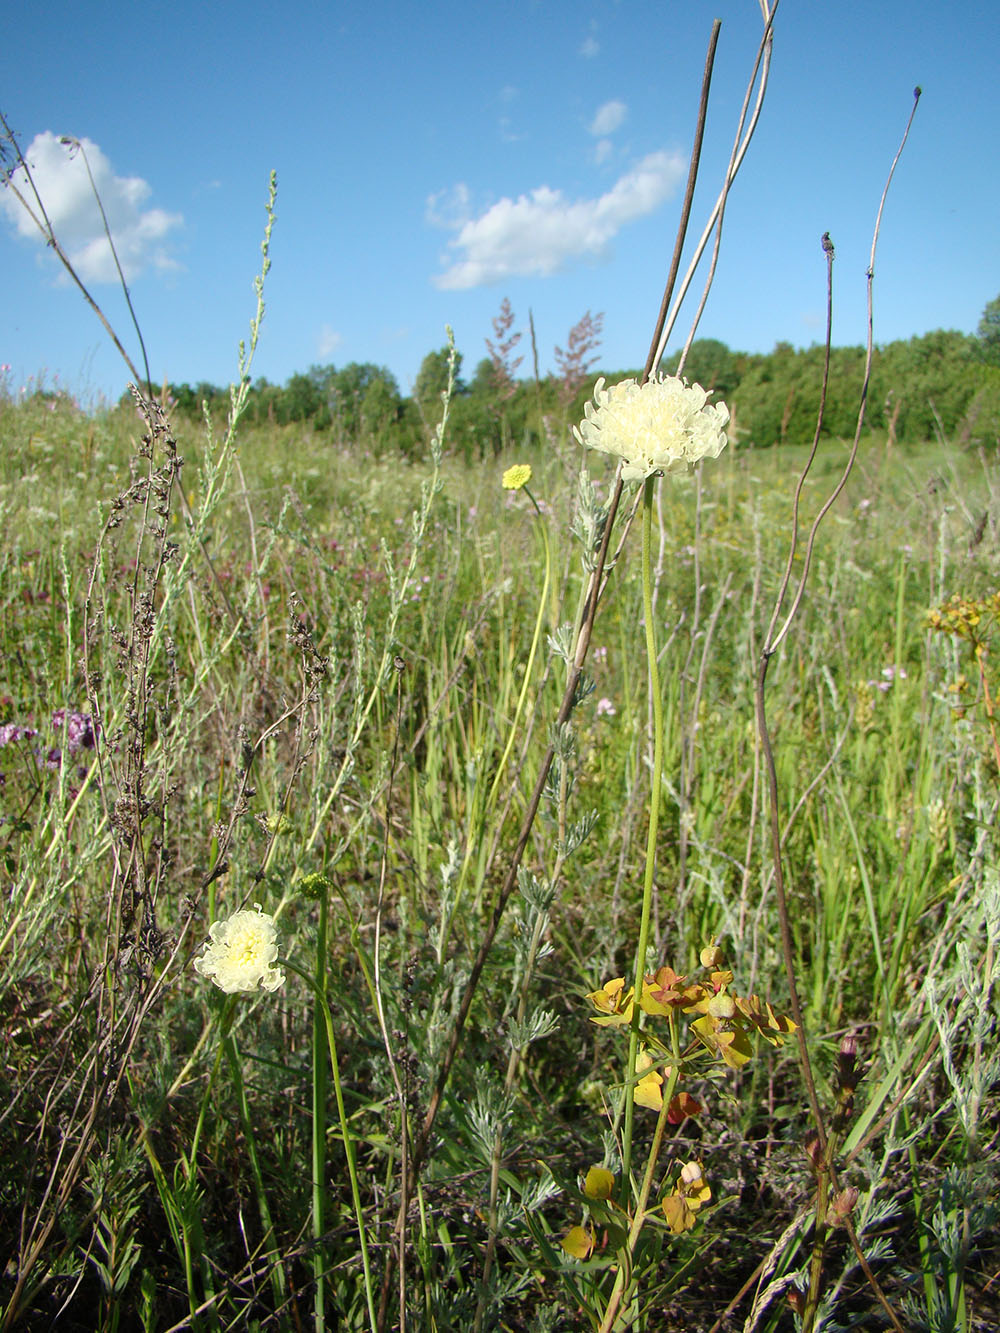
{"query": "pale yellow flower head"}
{"type": "Point", "coordinates": [240, 953]}
{"type": "Point", "coordinates": [516, 477]}
{"type": "Point", "coordinates": [664, 425]}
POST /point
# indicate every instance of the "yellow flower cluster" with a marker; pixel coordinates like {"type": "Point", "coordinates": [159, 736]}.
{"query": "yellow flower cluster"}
{"type": "Point", "coordinates": [516, 477]}
{"type": "Point", "coordinates": [664, 425]}
{"type": "Point", "coordinates": [961, 616]}
{"type": "Point", "coordinates": [722, 1023]}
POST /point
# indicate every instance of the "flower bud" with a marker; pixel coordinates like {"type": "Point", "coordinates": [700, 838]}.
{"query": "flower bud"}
{"type": "Point", "coordinates": [842, 1206]}
{"type": "Point", "coordinates": [814, 1152]}
{"type": "Point", "coordinates": [847, 1059]}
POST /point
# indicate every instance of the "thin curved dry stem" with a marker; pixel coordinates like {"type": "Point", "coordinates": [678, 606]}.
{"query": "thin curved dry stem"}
{"type": "Point", "coordinates": [598, 582]}
{"type": "Point", "coordinates": [75, 144]}
{"type": "Point", "coordinates": [699, 134]}
{"type": "Point", "coordinates": [720, 208]}
{"type": "Point", "coordinates": [772, 644]}
{"type": "Point", "coordinates": [762, 67]}
{"type": "Point", "coordinates": [44, 225]}
{"type": "Point", "coordinates": [824, 1167]}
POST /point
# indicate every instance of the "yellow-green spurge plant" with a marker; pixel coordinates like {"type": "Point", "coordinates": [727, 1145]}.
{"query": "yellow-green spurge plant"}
{"type": "Point", "coordinates": [689, 1028]}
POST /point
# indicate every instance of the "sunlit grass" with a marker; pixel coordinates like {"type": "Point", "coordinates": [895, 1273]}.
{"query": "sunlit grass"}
{"type": "Point", "coordinates": [332, 759]}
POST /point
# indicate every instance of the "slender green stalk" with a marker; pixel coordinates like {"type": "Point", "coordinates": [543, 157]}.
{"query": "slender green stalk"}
{"type": "Point", "coordinates": [532, 653]}
{"type": "Point", "coordinates": [654, 813]}
{"type": "Point", "coordinates": [345, 1130]}
{"type": "Point", "coordinates": [276, 1272]}
{"type": "Point", "coordinates": [623, 1278]}
{"type": "Point", "coordinates": [319, 1088]}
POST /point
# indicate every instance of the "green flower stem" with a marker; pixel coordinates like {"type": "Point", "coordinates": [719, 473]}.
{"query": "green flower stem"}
{"type": "Point", "coordinates": [481, 812]}
{"type": "Point", "coordinates": [180, 1199]}
{"type": "Point", "coordinates": [352, 1167]}
{"type": "Point", "coordinates": [536, 637]}
{"type": "Point", "coordinates": [654, 812]}
{"type": "Point", "coordinates": [639, 1216]}
{"type": "Point", "coordinates": [276, 1273]}
{"type": "Point", "coordinates": [319, 1091]}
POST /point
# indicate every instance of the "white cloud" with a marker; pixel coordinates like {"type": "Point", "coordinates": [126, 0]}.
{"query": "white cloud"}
{"type": "Point", "coordinates": [507, 132]}
{"type": "Point", "coordinates": [603, 150]}
{"type": "Point", "coordinates": [60, 176]}
{"type": "Point", "coordinates": [328, 341]}
{"type": "Point", "coordinates": [590, 47]}
{"type": "Point", "coordinates": [448, 208]}
{"type": "Point", "coordinates": [609, 117]}
{"type": "Point", "coordinates": [539, 233]}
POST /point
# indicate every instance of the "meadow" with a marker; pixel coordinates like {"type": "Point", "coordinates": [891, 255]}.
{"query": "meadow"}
{"type": "Point", "coordinates": [251, 667]}
{"type": "Point", "coordinates": [496, 884]}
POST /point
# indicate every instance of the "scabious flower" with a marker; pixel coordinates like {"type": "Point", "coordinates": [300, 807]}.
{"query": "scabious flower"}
{"type": "Point", "coordinates": [516, 477]}
{"type": "Point", "coordinates": [664, 425]}
{"type": "Point", "coordinates": [240, 953]}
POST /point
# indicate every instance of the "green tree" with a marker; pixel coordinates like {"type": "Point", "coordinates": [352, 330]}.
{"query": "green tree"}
{"type": "Point", "coordinates": [381, 407]}
{"type": "Point", "coordinates": [345, 393]}
{"type": "Point", "coordinates": [432, 382]}
{"type": "Point", "coordinates": [932, 380]}
{"type": "Point", "coordinates": [299, 401]}
{"type": "Point", "coordinates": [988, 333]}
{"type": "Point", "coordinates": [710, 363]}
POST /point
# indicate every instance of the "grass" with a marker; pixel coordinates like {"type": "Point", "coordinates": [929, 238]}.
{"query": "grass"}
{"type": "Point", "coordinates": [305, 689]}
{"type": "Point", "coordinates": [258, 687]}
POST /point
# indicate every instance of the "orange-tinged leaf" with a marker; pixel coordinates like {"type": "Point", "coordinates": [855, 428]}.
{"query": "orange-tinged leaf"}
{"type": "Point", "coordinates": [613, 1001]}
{"type": "Point", "coordinates": [652, 1002]}
{"type": "Point", "coordinates": [771, 1026]}
{"type": "Point", "coordinates": [578, 1242]}
{"type": "Point", "coordinates": [705, 1029]}
{"type": "Point", "coordinates": [682, 1106]}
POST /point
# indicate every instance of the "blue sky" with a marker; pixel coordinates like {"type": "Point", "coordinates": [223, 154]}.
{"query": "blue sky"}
{"type": "Point", "coordinates": [434, 159]}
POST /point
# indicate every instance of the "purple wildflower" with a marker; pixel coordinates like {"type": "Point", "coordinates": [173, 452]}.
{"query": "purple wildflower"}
{"type": "Point", "coordinates": [80, 731]}
{"type": "Point", "coordinates": [14, 731]}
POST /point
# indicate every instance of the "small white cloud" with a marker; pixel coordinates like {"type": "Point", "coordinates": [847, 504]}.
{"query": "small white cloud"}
{"type": "Point", "coordinates": [539, 233]}
{"type": "Point", "coordinates": [328, 341]}
{"type": "Point", "coordinates": [448, 208]}
{"type": "Point", "coordinates": [507, 132]}
{"type": "Point", "coordinates": [602, 150]}
{"type": "Point", "coordinates": [609, 117]}
{"type": "Point", "coordinates": [590, 48]}
{"type": "Point", "coordinates": [60, 176]}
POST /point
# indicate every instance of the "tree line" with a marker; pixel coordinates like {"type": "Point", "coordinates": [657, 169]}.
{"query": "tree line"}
{"type": "Point", "coordinates": [942, 383]}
